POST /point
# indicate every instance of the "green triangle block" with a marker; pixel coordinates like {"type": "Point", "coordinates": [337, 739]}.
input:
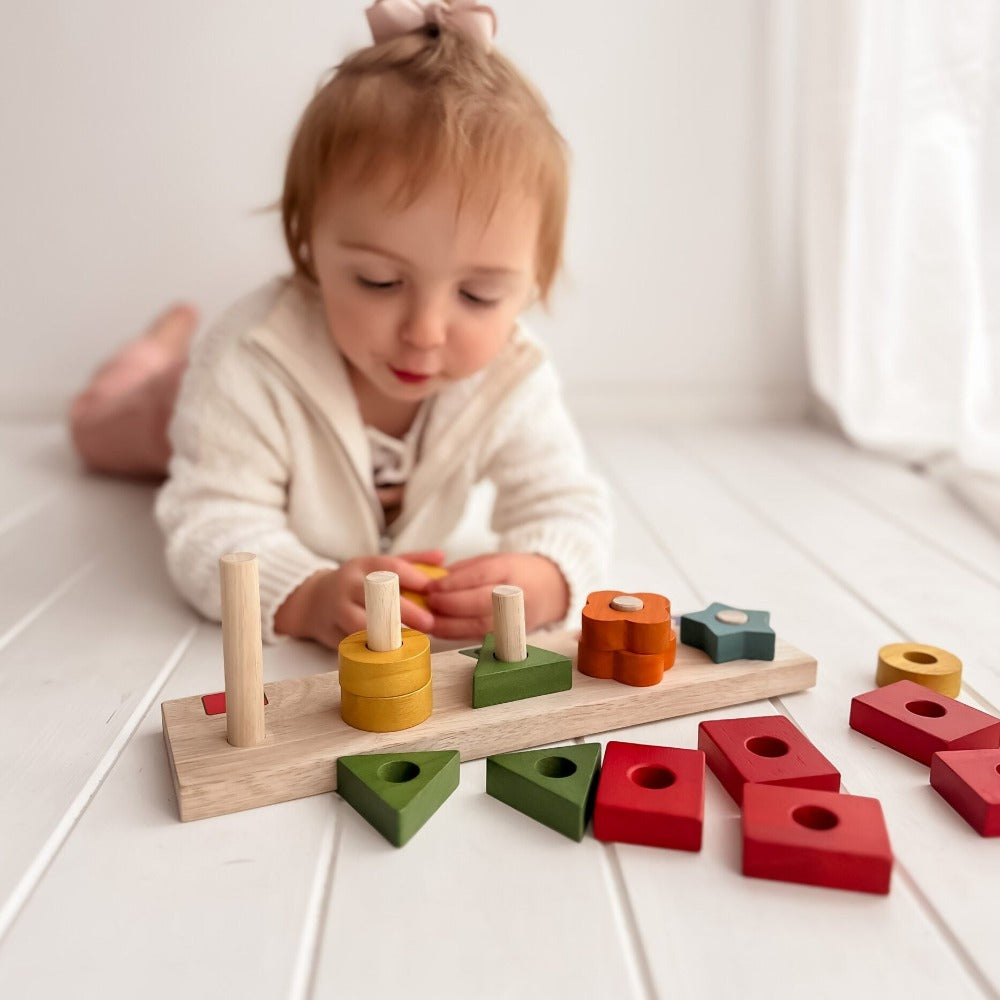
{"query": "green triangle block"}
{"type": "Point", "coordinates": [398, 792]}
{"type": "Point", "coordinates": [555, 786]}
{"type": "Point", "coordinates": [495, 682]}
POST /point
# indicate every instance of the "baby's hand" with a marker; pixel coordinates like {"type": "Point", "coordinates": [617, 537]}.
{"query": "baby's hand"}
{"type": "Point", "coordinates": [462, 601]}
{"type": "Point", "coordinates": [331, 603]}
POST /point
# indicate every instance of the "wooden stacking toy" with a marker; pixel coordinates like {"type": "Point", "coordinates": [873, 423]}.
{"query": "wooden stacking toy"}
{"type": "Point", "coordinates": [282, 740]}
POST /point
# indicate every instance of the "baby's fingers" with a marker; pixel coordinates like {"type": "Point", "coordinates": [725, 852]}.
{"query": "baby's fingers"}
{"type": "Point", "coordinates": [410, 578]}
{"type": "Point", "coordinates": [475, 603]}
{"type": "Point", "coordinates": [462, 628]}
{"type": "Point", "coordinates": [471, 573]}
{"type": "Point", "coordinates": [414, 616]}
{"type": "Point", "coordinates": [431, 557]}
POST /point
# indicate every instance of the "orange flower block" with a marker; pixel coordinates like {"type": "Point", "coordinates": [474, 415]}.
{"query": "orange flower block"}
{"type": "Point", "coordinates": [627, 637]}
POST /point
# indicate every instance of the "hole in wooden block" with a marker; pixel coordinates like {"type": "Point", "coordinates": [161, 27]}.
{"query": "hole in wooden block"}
{"type": "Point", "coordinates": [767, 746]}
{"type": "Point", "coordinates": [555, 767]}
{"type": "Point", "coordinates": [916, 656]}
{"type": "Point", "coordinates": [398, 771]}
{"type": "Point", "coordinates": [815, 817]}
{"type": "Point", "coordinates": [652, 776]}
{"type": "Point", "coordinates": [998, 768]}
{"type": "Point", "coordinates": [928, 709]}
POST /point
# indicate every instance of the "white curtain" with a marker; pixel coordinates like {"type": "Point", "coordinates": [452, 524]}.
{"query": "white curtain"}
{"type": "Point", "coordinates": [900, 211]}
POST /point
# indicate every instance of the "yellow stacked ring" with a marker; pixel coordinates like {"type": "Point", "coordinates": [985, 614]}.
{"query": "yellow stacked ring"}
{"type": "Point", "coordinates": [385, 692]}
{"type": "Point", "coordinates": [384, 675]}
{"type": "Point", "coordinates": [386, 715]}
{"type": "Point", "coordinates": [935, 668]}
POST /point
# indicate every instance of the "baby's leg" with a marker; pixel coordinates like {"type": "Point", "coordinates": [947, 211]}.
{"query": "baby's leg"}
{"type": "Point", "coordinates": [119, 422]}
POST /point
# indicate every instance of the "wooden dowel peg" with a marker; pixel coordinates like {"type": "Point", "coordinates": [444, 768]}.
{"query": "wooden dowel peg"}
{"type": "Point", "coordinates": [242, 649]}
{"type": "Point", "coordinates": [510, 641]}
{"type": "Point", "coordinates": [382, 611]}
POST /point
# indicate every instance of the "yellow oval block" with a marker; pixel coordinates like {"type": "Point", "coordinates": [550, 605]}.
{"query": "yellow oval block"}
{"type": "Point", "coordinates": [431, 572]}
{"type": "Point", "coordinates": [369, 674]}
{"type": "Point", "coordinates": [935, 668]}
{"type": "Point", "coordinates": [386, 715]}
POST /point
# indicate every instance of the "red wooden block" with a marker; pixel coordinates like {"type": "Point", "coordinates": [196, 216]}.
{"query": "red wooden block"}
{"type": "Point", "coordinates": [651, 795]}
{"type": "Point", "coordinates": [215, 704]}
{"type": "Point", "coordinates": [817, 838]}
{"type": "Point", "coordinates": [920, 722]}
{"type": "Point", "coordinates": [969, 781]}
{"type": "Point", "coordinates": [765, 749]}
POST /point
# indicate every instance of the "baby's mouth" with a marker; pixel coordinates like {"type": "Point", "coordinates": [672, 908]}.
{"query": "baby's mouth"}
{"type": "Point", "coordinates": [408, 376]}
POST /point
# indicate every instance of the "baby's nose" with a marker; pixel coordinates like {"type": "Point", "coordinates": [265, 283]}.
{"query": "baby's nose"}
{"type": "Point", "coordinates": [426, 326]}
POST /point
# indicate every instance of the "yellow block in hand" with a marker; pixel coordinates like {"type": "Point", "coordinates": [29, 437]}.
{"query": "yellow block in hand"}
{"type": "Point", "coordinates": [432, 573]}
{"type": "Point", "coordinates": [935, 668]}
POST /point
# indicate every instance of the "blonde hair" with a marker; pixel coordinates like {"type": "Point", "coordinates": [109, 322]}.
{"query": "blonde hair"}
{"type": "Point", "coordinates": [433, 103]}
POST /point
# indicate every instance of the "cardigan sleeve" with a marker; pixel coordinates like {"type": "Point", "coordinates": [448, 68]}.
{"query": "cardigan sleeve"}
{"type": "Point", "coordinates": [227, 487]}
{"type": "Point", "coordinates": [548, 498]}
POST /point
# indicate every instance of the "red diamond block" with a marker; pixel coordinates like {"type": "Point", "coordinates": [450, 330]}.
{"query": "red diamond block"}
{"type": "Point", "coordinates": [651, 795]}
{"type": "Point", "coordinates": [765, 749]}
{"type": "Point", "coordinates": [919, 722]}
{"type": "Point", "coordinates": [215, 704]}
{"type": "Point", "coordinates": [969, 781]}
{"type": "Point", "coordinates": [816, 838]}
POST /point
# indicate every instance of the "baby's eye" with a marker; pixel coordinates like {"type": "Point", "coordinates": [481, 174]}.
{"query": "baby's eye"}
{"type": "Point", "coordinates": [477, 300]}
{"type": "Point", "coordinates": [381, 285]}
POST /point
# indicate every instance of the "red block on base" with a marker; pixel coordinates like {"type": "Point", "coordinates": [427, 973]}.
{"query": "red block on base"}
{"type": "Point", "coordinates": [816, 838]}
{"type": "Point", "coordinates": [765, 749]}
{"type": "Point", "coordinates": [651, 795]}
{"type": "Point", "coordinates": [215, 704]}
{"type": "Point", "coordinates": [969, 781]}
{"type": "Point", "coordinates": [920, 722]}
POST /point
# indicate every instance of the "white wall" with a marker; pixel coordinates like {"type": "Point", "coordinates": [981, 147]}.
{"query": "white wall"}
{"type": "Point", "coordinates": [138, 140]}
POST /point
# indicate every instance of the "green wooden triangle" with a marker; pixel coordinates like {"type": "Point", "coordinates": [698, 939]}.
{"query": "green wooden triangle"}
{"type": "Point", "coordinates": [398, 792]}
{"type": "Point", "coordinates": [495, 682]}
{"type": "Point", "coordinates": [554, 786]}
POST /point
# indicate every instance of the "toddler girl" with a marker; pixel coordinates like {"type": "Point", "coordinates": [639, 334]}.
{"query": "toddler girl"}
{"type": "Point", "coordinates": [335, 420]}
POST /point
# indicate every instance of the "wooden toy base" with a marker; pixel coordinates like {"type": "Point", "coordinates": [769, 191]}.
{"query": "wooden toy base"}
{"type": "Point", "coordinates": [305, 733]}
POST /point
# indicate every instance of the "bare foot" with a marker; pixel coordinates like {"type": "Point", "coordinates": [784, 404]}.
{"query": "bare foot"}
{"type": "Point", "coordinates": [119, 422]}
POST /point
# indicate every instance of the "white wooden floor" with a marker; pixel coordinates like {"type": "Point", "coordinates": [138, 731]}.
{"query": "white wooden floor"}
{"type": "Point", "coordinates": [104, 894]}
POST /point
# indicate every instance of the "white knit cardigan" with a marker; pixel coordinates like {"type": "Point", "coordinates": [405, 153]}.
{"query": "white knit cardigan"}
{"type": "Point", "coordinates": [271, 457]}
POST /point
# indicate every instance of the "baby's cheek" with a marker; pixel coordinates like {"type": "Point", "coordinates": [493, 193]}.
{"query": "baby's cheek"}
{"type": "Point", "coordinates": [478, 348]}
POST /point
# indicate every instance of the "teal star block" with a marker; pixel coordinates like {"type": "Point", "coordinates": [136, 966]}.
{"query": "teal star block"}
{"type": "Point", "coordinates": [495, 682]}
{"type": "Point", "coordinates": [752, 640]}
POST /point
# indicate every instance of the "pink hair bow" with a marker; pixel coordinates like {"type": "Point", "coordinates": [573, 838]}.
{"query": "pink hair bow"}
{"type": "Point", "coordinates": [392, 18]}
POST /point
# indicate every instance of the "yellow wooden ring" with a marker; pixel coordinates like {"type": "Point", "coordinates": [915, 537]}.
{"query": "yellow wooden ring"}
{"type": "Point", "coordinates": [384, 675]}
{"type": "Point", "coordinates": [386, 715]}
{"type": "Point", "coordinates": [432, 573]}
{"type": "Point", "coordinates": [935, 668]}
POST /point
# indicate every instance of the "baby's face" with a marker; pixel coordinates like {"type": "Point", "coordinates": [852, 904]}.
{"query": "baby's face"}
{"type": "Point", "coordinates": [421, 296]}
